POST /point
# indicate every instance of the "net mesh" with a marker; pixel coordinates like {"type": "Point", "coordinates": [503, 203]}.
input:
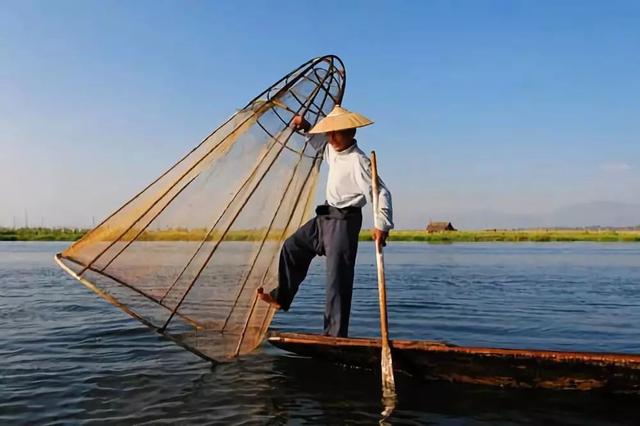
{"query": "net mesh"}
{"type": "Point", "coordinates": [186, 255]}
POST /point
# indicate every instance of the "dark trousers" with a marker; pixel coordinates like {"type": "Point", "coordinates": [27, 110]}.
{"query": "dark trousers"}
{"type": "Point", "coordinates": [332, 233]}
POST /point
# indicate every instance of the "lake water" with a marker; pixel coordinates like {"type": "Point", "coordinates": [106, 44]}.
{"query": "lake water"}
{"type": "Point", "coordinates": [67, 356]}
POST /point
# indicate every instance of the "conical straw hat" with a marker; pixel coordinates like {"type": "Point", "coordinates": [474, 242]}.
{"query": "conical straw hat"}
{"type": "Point", "coordinates": [340, 119]}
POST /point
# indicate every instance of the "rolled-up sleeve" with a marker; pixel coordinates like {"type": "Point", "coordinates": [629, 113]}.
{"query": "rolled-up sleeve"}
{"type": "Point", "coordinates": [383, 219]}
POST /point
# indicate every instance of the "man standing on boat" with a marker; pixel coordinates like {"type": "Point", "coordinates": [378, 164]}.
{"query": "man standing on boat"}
{"type": "Point", "coordinates": [334, 231]}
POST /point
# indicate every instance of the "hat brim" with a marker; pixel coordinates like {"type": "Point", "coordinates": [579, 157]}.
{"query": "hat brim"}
{"type": "Point", "coordinates": [340, 122]}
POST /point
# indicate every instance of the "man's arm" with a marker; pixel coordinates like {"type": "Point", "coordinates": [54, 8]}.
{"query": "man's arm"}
{"type": "Point", "coordinates": [317, 141]}
{"type": "Point", "coordinates": [383, 218]}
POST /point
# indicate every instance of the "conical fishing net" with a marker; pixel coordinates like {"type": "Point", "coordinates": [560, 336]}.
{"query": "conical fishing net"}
{"type": "Point", "coordinates": [186, 255]}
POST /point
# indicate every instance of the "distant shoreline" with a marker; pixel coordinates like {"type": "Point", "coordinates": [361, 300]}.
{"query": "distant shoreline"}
{"type": "Point", "coordinates": [533, 235]}
{"type": "Point", "coordinates": [41, 234]}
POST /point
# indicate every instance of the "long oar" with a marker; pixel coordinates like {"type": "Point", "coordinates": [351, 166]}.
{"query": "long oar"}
{"type": "Point", "coordinates": [388, 382]}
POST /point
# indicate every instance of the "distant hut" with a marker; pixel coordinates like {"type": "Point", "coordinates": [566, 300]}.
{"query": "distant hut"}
{"type": "Point", "coordinates": [440, 227]}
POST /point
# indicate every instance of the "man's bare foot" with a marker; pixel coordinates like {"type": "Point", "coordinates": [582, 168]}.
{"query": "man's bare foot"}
{"type": "Point", "coordinates": [266, 297]}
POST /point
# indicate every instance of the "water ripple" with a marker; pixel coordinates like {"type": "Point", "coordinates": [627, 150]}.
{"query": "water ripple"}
{"type": "Point", "coordinates": [69, 358]}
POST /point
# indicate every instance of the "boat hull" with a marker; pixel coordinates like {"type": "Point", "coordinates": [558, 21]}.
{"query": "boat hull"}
{"type": "Point", "coordinates": [513, 368]}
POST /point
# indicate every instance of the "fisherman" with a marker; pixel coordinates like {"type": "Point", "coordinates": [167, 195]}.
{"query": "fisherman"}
{"type": "Point", "coordinates": [334, 231]}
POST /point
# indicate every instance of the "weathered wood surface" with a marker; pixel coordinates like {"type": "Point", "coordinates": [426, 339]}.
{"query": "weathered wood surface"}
{"type": "Point", "coordinates": [517, 368]}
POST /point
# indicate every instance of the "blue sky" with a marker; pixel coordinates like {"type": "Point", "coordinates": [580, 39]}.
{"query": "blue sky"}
{"type": "Point", "coordinates": [509, 106]}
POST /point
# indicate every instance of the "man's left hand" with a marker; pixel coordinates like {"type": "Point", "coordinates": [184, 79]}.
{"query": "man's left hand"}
{"type": "Point", "coordinates": [299, 123]}
{"type": "Point", "coordinates": [380, 236]}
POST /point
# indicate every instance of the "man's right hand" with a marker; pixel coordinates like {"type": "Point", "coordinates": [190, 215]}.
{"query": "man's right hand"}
{"type": "Point", "coordinates": [380, 236]}
{"type": "Point", "coordinates": [299, 123]}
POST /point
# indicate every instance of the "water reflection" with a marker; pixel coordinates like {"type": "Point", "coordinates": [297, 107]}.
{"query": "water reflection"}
{"type": "Point", "coordinates": [69, 357]}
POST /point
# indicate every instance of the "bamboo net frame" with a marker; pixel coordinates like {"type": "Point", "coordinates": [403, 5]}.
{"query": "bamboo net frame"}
{"type": "Point", "coordinates": [186, 254]}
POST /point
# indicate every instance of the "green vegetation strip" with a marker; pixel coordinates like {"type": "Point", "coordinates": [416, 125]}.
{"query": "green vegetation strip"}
{"type": "Point", "coordinates": [540, 235]}
{"type": "Point", "coordinates": [40, 234]}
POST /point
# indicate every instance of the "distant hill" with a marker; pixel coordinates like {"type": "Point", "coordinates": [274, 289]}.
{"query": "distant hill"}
{"type": "Point", "coordinates": [597, 213]}
{"type": "Point", "coordinates": [601, 213]}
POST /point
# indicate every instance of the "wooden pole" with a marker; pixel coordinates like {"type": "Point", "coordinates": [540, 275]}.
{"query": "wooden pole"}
{"type": "Point", "coordinates": [388, 382]}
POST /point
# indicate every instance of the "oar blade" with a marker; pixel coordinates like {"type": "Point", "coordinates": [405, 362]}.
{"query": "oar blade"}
{"type": "Point", "coordinates": [389, 397]}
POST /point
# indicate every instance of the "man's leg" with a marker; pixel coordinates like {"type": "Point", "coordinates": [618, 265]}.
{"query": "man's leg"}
{"type": "Point", "coordinates": [295, 257]}
{"type": "Point", "coordinates": [340, 238]}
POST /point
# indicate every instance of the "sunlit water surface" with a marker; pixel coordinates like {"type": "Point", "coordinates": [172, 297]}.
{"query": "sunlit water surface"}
{"type": "Point", "coordinates": [67, 356]}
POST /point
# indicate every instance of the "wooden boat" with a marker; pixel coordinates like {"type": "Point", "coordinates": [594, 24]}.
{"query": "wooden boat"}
{"type": "Point", "coordinates": [509, 368]}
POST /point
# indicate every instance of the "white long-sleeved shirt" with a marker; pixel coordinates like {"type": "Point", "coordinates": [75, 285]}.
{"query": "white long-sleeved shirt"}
{"type": "Point", "coordinates": [349, 181]}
